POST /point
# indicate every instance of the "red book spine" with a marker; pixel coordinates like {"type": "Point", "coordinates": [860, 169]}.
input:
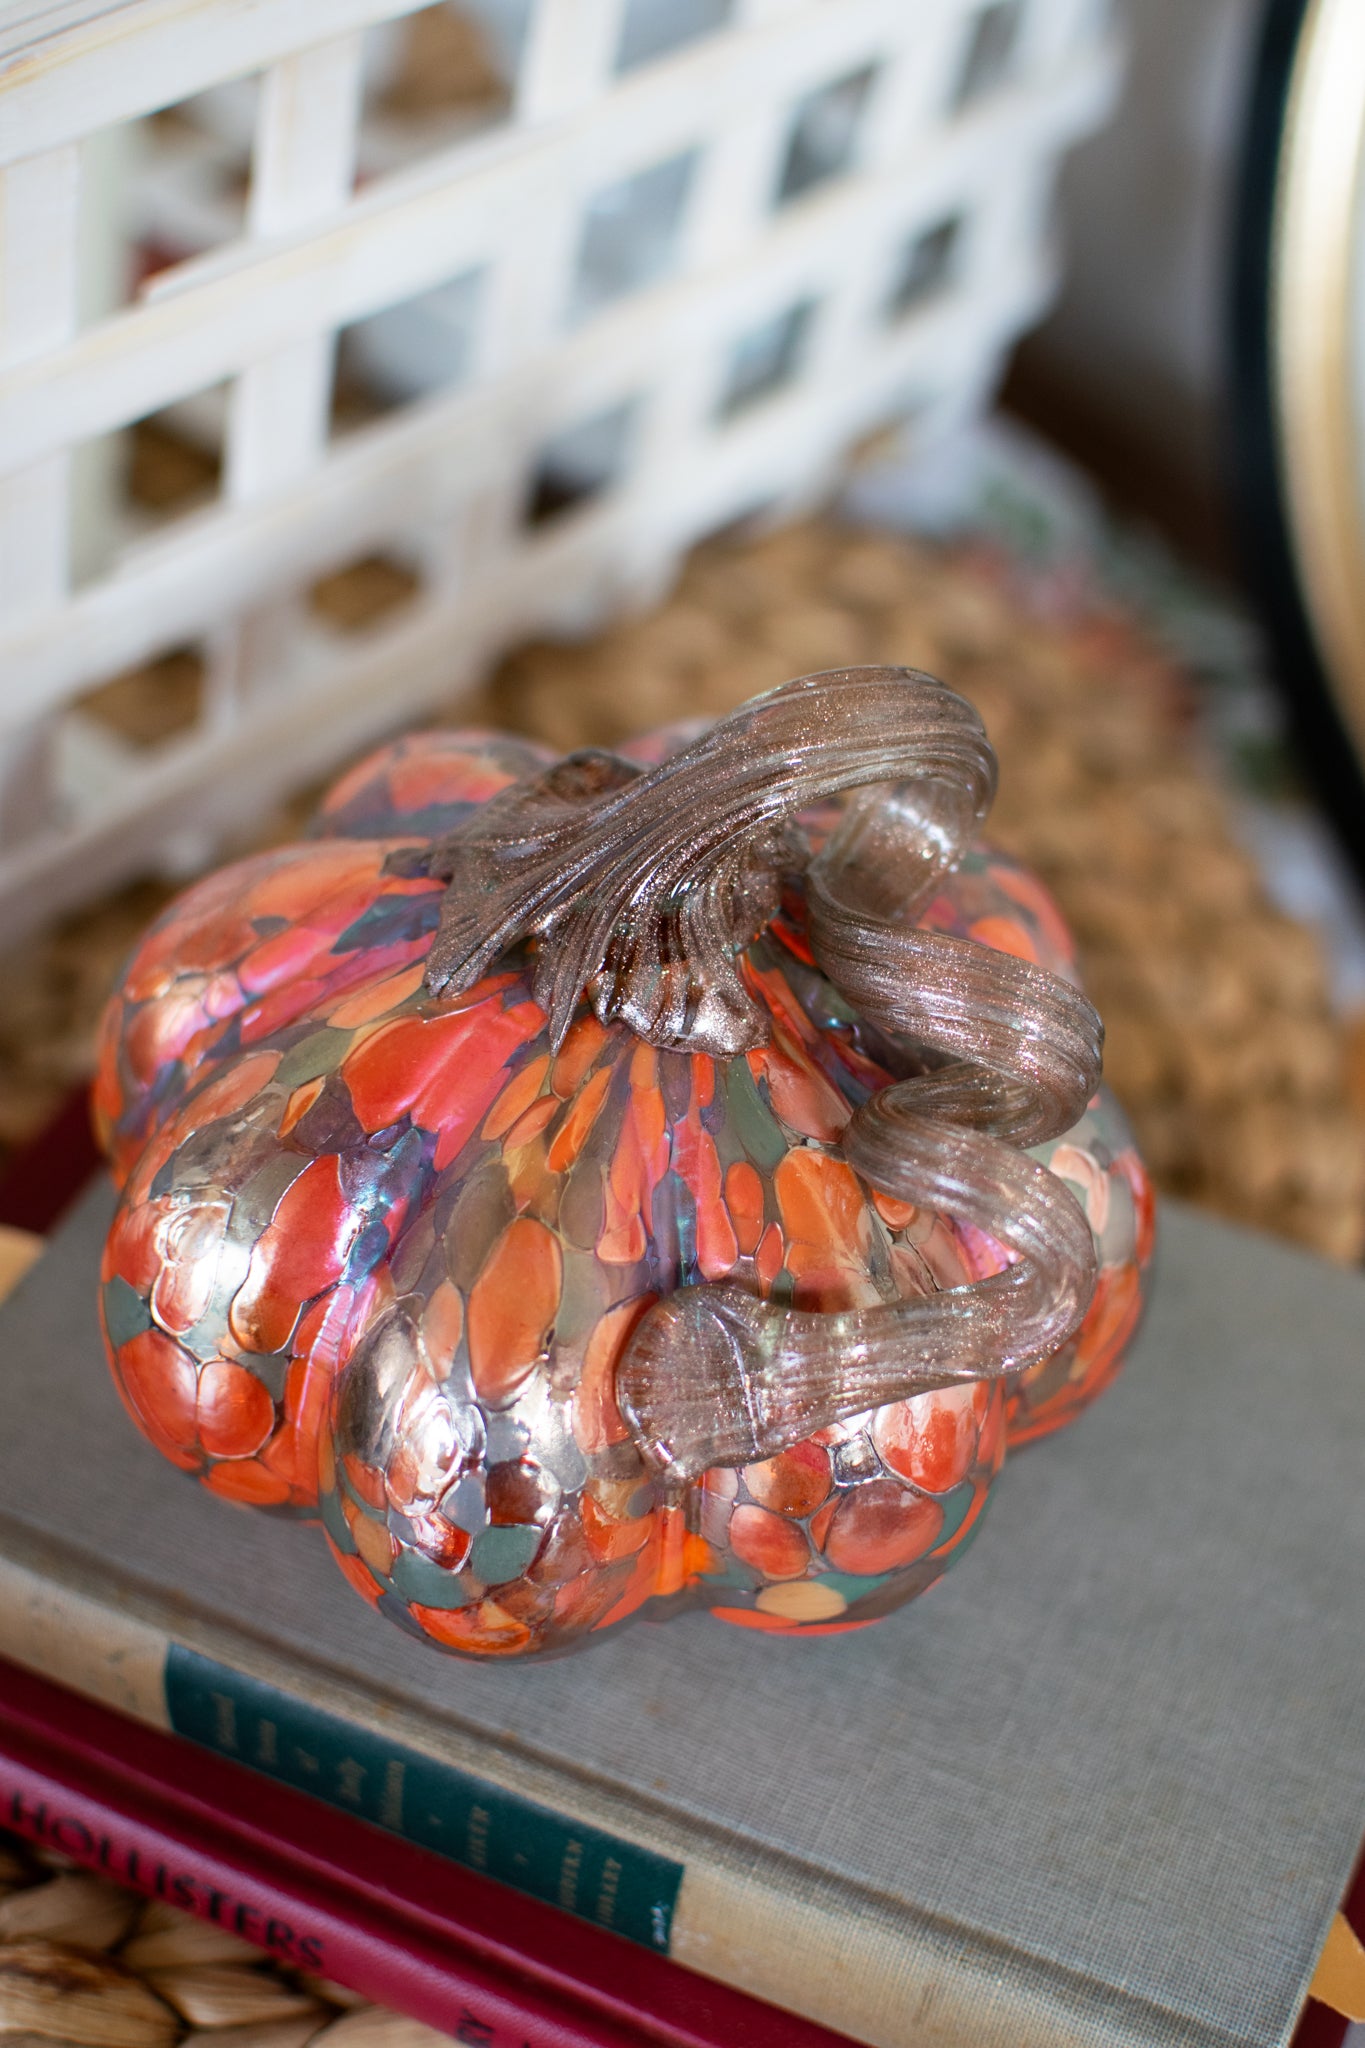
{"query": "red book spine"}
{"type": "Point", "coordinates": [397, 1965]}
{"type": "Point", "coordinates": [328, 1877]}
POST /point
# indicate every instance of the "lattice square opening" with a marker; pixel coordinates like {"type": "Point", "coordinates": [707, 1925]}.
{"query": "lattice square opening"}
{"type": "Point", "coordinates": [630, 234]}
{"type": "Point", "coordinates": [928, 265]}
{"type": "Point", "coordinates": [407, 351]}
{"type": "Point", "coordinates": [160, 191]}
{"type": "Point", "coordinates": [433, 77]}
{"type": "Point", "coordinates": [143, 708]}
{"type": "Point", "coordinates": [991, 55]}
{"type": "Point", "coordinates": [173, 460]}
{"type": "Point", "coordinates": [362, 593]}
{"type": "Point", "coordinates": [767, 359]}
{"type": "Point", "coordinates": [186, 173]}
{"type": "Point", "coordinates": [823, 138]}
{"type": "Point", "coordinates": [580, 464]}
{"type": "Point", "coordinates": [654, 28]}
{"type": "Point", "coordinates": [142, 479]}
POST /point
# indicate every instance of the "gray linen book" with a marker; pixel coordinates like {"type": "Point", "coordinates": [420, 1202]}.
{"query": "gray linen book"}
{"type": "Point", "coordinates": [1104, 1785]}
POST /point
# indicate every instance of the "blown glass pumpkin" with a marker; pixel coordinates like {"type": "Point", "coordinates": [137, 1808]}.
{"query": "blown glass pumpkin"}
{"type": "Point", "coordinates": [608, 1185]}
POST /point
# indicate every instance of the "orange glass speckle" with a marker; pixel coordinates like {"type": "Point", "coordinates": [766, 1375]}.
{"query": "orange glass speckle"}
{"type": "Point", "coordinates": [512, 1306]}
{"type": "Point", "coordinates": [933, 1439]}
{"type": "Point", "coordinates": [795, 1482]}
{"type": "Point", "coordinates": [774, 1547]}
{"type": "Point", "coordinates": [880, 1526]}
{"type": "Point", "coordinates": [236, 1413]}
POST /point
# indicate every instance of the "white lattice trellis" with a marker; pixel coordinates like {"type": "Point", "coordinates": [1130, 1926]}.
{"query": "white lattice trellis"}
{"type": "Point", "coordinates": [850, 201]}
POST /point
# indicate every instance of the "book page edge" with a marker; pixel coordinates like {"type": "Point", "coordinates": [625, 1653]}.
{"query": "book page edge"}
{"type": "Point", "coordinates": [90, 1645]}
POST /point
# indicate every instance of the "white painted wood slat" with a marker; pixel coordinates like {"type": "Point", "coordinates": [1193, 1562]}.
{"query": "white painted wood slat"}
{"type": "Point", "coordinates": [301, 174]}
{"type": "Point", "coordinates": [39, 201]}
{"type": "Point", "coordinates": [445, 481]}
{"type": "Point", "coordinates": [302, 171]}
{"type": "Point", "coordinates": [400, 238]}
{"type": "Point", "coordinates": [107, 63]}
{"type": "Point", "coordinates": [425, 461]}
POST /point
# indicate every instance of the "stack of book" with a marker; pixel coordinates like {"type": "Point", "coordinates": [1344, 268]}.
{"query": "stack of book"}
{"type": "Point", "coordinates": [1106, 1785]}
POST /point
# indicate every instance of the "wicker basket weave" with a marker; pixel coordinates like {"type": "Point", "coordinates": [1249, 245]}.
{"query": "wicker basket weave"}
{"type": "Point", "coordinates": [1222, 1041]}
{"type": "Point", "coordinates": [86, 1964]}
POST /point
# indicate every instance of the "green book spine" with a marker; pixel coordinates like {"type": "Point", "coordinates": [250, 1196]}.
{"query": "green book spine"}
{"type": "Point", "coordinates": [599, 1876]}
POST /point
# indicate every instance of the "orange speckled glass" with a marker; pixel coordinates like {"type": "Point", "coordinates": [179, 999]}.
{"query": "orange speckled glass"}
{"type": "Point", "coordinates": [602, 1186]}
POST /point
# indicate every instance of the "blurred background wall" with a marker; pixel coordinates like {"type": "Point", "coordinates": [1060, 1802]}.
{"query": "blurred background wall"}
{"type": "Point", "coordinates": [1129, 368]}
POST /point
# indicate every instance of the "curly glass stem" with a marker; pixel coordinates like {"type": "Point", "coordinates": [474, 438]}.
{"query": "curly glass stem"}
{"type": "Point", "coordinates": [641, 887]}
{"type": "Point", "coordinates": [1032, 1039]}
{"type": "Point", "coordinates": [716, 1376]}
